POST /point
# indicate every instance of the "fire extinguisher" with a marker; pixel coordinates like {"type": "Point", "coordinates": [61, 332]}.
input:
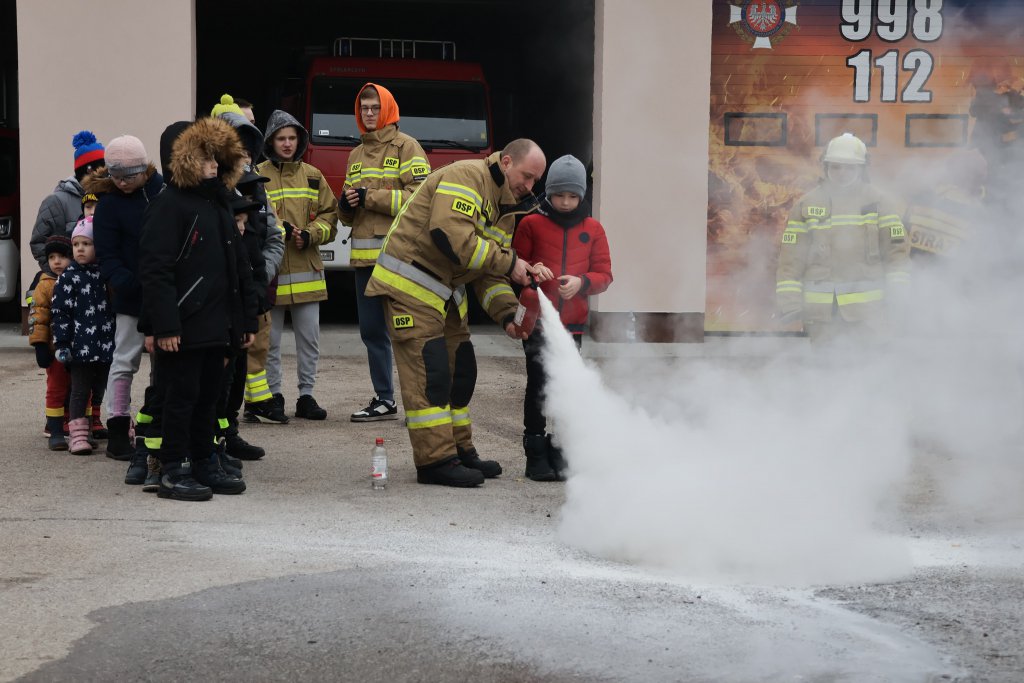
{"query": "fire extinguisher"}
{"type": "Point", "coordinates": [529, 308]}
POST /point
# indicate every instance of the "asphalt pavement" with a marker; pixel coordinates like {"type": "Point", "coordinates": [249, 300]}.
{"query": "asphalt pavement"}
{"type": "Point", "coordinates": [312, 576]}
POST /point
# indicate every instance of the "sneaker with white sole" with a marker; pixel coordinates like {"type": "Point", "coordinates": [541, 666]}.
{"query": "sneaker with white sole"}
{"type": "Point", "coordinates": [377, 410]}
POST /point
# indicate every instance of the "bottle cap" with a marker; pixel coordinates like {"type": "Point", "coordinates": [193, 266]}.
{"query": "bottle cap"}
{"type": "Point", "coordinates": [380, 440]}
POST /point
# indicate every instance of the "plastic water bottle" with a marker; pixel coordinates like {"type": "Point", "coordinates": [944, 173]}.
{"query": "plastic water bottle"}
{"type": "Point", "coordinates": [379, 474]}
{"type": "Point", "coordinates": [631, 328]}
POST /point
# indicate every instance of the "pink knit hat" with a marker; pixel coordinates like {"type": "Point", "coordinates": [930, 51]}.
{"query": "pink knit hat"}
{"type": "Point", "coordinates": [126, 155]}
{"type": "Point", "coordinates": [83, 228]}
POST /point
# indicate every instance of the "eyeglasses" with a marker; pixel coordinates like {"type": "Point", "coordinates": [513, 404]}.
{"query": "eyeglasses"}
{"type": "Point", "coordinates": [371, 109]}
{"type": "Point", "coordinates": [125, 178]}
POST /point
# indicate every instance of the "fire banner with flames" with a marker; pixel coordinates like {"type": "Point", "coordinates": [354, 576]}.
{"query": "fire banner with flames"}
{"type": "Point", "coordinates": [935, 88]}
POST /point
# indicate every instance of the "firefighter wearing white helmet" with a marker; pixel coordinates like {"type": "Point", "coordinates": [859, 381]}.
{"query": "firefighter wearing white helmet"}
{"type": "Point", "coordinates": [843, 249]}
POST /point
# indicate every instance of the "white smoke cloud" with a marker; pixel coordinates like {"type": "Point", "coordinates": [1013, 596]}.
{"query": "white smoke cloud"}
{"type": "Point", "coordinates": [793, 470]}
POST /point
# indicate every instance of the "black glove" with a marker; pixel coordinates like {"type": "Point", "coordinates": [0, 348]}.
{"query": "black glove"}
{"type": "Point", "coordinates": [63, 354]}
{"type": "Point", "coordinates": [305, 239]}
{"type": "Point", "coordinates": [43, 355]}
{"type": "Point", "coordinates": [361, 191]}
{"type": "Point", "coordinates": [288, 227]}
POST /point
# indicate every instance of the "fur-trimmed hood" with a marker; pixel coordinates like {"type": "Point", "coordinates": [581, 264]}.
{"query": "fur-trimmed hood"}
{"type": "Point", "coordinates": [204, 139]}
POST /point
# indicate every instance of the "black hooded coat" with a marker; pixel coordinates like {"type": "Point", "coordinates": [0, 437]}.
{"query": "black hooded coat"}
{"type": "Point", "coordinates": [196, 279]}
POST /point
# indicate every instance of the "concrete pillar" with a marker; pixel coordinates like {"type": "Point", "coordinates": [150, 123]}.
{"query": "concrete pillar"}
{"type": "Point", "coordinates": [109, 66]}
{"type": "Point", "coordinates": [651, 119]}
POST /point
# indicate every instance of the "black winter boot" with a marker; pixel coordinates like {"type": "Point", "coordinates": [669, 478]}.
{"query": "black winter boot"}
{"type": "Point", "coordinates": [119, 446]}
{"type": "Point", "coordinates": [239, 448]}
{"type": "Point", "coordinates": [209, 472]}
{"type": "Point", "coordinates": [557, 460]}
{"type": "Point", "coordinates": [471, 459]}
{"type": "Point", "coordinates": [450, 472]}
{"type": "Point", "coordinates": [55, 440]}
{"type": "Point", "coordinates": [538, 466]}
{"type": "Point", "coordinates": [137, 468]}
{"type": "Point", "coordinates": [177, 483]}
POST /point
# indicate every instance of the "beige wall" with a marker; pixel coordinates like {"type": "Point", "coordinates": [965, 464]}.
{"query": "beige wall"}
{"type": "Point", "coordinates": [109, 66]}
{"type": "Point", "coordinates": [651, 150]}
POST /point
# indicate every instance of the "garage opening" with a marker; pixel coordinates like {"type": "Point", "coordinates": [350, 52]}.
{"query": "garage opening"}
{"type": "Point", "coordinates": [536, 57]}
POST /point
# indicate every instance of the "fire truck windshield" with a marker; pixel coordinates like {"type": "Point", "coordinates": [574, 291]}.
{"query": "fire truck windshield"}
{"type": "Point", "coordinates": [431, 110]}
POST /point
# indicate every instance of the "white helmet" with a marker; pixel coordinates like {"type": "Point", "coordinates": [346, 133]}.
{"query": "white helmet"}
{"type": "Point", "coordinates": [846, 149]}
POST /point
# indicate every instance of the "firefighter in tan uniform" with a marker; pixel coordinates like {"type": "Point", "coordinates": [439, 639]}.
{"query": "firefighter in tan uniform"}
{"type": "Point", "coordinates": [383, 172]}
{"type": "Point", "coordinates": [456, 229]}
{"type": "Point", "coordinates": [844, 250]}
{"type": "Point", "coordinates": [306, 207]}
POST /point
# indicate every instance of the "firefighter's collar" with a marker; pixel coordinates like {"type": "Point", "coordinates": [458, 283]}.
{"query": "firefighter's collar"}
{"type": "Point", "coordinates": [497, 175]}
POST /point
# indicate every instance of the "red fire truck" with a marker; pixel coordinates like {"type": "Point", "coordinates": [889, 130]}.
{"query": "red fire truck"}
{"type": "Point", "coordinates": [444, 104]}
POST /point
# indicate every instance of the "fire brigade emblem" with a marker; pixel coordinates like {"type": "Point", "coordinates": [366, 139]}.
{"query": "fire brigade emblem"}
{"type": "Point", "coordinates": [762, 22]}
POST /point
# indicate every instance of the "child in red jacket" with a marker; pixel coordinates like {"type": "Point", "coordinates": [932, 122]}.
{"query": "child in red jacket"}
{"type": "Point", "coordinates": [564, 237]}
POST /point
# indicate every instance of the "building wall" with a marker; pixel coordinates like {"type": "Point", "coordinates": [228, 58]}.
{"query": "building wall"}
{"type": "Point", "coordinates": [651, 121]}
{"type": "Point", "coordinates": [96, 64]}
{"type": "Point", "coordinates": [105, 61]}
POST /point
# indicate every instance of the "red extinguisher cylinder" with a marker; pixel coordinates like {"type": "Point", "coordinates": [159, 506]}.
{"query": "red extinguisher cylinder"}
{"type": "Point", "coordinates": [529, 308]}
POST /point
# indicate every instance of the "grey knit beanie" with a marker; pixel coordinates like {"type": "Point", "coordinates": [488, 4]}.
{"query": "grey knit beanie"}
{"type": "Point", "coordinates": [566, 175]}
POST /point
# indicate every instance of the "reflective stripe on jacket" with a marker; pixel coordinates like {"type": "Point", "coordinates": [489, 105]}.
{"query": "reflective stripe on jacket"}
{"type": "Point", "coordinates": [390, 165]}
{"type": "Point", "coordinates": [301, 196]}
{"type": "Point", "coordinates": [455, 229]}
{"type": "Point", "coordinates": [845, 246]}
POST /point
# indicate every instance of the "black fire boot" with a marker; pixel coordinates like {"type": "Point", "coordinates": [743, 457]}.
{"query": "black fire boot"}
{"type": "Point", "coordinates": [209, 472]}
{"type": "Point", "coordinates": [471, 459]}
{"type": "Point", "coordinates": [119, 446]}
{"type": "Point", "coordinates": [137, 468]}
{"type": "Point", "coordinates": [55, 440]}
{"type": "Point", "coordinates": [557, 460]}
{"type": "Point", "coordinates": [449, 472]}
{"type": "Point", "coordinates": [239, 448]}
{"type": "Point", "coordinates": [177, 483]}
{"type": "Point", "coordinates": [538, 466]}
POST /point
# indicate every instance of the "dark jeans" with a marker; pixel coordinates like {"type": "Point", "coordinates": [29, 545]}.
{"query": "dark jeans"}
{"type": "Point", "coordinates": [87, 379]}
{"type": "Point", "coordinates": [373, 330]}
{"type": "Point", "coordinates": [534, 421]}
{"type": "Point", "coordinates": [192, 382]}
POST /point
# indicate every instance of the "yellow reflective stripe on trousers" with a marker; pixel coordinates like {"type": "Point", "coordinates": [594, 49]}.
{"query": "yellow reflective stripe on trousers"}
{"type": "Point", "coordinates": [428, 417]}
{"type": "Point", "coordinates": [819, 297]}
{"type": "Point", "coordinates": [55, 412]}
{"type": "Point", "coordinates": [257, 388]}
{"type": "Point", "coordinates": [460, 417]}
{"type": "Point", "coordinates": [493, 291]}
{"type": "Point", "coordinates": [403, 284]}
{"type": "Point", "coordinates": [222, 422]}
{"type": "Point", "coordinates": [142, 418]}
{"type": "Point", "coordinates": [788, 286]}
{"type": "Point", "coordinates": [860, 297]}
{"type": "Point", "coordinates": [476, 262]}
{"type": "Point", "coordinates": [153, 443]}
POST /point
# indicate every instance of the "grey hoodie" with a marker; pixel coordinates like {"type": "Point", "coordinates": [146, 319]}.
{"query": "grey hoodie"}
{"type": "Point", "coordinates": [278, 120]}
{"type": "Point", "coordinates": [57, 215]}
